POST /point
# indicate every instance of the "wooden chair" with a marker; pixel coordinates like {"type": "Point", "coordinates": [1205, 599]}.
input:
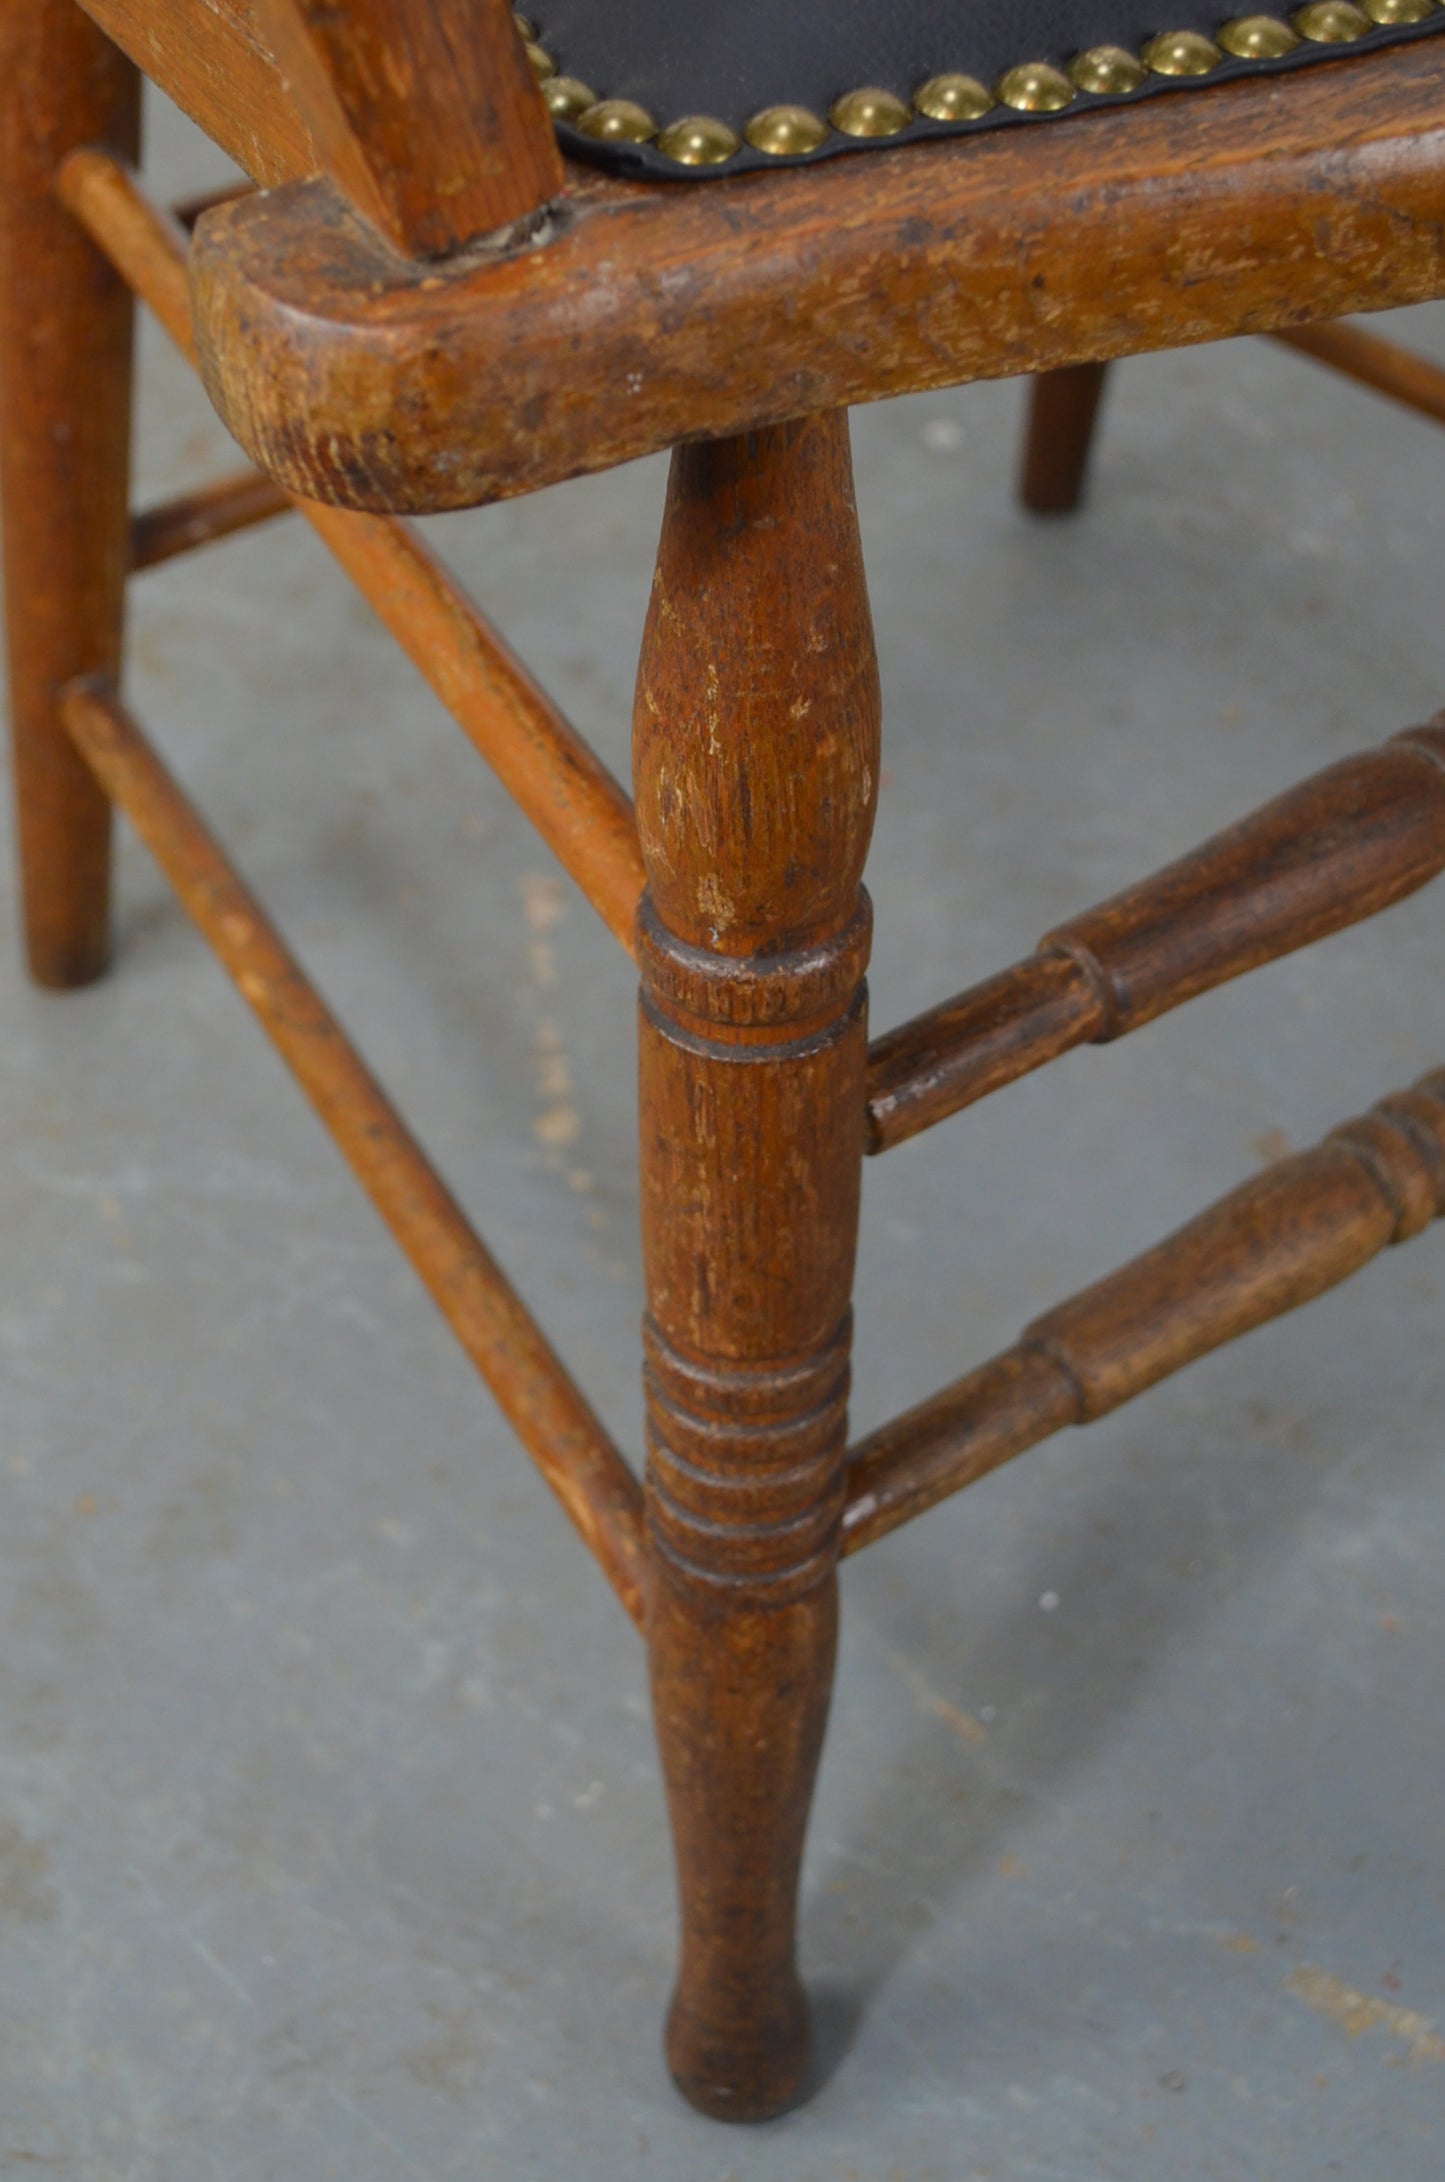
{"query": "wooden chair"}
{"type": "Point", "coordinates": [426, 307]}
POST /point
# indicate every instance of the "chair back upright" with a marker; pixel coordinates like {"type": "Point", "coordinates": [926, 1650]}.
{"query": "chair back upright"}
{"type": "Point", "coordinates": [424, 113]}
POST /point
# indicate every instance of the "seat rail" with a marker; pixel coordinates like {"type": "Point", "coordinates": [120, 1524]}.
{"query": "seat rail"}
{"type": "Point", "coordinates": [637, 316]}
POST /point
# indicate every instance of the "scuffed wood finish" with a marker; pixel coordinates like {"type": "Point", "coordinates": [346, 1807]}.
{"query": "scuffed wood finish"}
{"type": "Point", "coordinates": [645, 315]}
{"type": "Point", "coordinates": [425, 113]}
{"type": "Point", "coordinates": [576, 805]}
{"type": "Point", "coordinates": [1342, 846]}
{"type": "Point", "coordinates": [755, 771]}
{"type": "Point", "coordinates": [1380, 365]}
{"type": "Point", "coordinates": [489, 1319]}
{"type": "Point", "coordinates": [208, 56]}
{"type": "Point", "coordinates": [203, 517]}
{"type": "Point", "coordinates": [65, 383]}
{"type": "Point", "coordinates": [1063, 407]}
{"type": "Point", "coordinates": [1279, 1240]}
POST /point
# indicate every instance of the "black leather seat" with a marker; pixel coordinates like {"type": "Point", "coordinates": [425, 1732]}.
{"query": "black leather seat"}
{"type": "Point", "coordinates": [678, 89]}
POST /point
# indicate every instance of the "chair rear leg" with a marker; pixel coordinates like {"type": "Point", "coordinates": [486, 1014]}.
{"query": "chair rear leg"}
{"type": "Point", "coordinates": [756, 768]}
{"type": "Point", "coordinates": [1063, 407]}
{"type": "Point", "coordinates": [65, 382]}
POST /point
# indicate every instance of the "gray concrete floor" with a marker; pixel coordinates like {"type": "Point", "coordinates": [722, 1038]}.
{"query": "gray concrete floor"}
{"type": "Point", "coordinates": [331, 1842]}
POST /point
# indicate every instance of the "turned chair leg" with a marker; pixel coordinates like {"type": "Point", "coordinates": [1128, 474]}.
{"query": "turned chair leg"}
{"type": "Point", "coordinates": [756, 768]}
{"type": "Point", "coordinates": [65, 373]}
{"type": "Point", "coordinates": [1063, 407]}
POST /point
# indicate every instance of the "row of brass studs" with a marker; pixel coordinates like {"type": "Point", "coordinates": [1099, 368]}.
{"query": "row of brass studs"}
{"type": "Point", "coordinates": [1035, 87]}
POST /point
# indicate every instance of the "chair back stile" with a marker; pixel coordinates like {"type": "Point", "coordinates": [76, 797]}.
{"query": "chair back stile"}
{"type": "Point", "coordinates": [424, 113]}
{"type": "Point", "coordinates": [209, 59]}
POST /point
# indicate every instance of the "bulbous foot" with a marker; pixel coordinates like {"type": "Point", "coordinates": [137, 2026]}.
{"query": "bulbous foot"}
{"type": "Point", "coordinates": [748, 2063]}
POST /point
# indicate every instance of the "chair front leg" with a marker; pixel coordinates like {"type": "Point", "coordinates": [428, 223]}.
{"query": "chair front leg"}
{"type": "Point", "coordinates": [65, 381]}
{"type": "Point", "coordinates": [756, 767]}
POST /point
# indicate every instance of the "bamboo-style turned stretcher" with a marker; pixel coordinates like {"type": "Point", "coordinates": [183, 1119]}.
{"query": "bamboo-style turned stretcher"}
{"type": "Point", "coordinates": [1344, 845]}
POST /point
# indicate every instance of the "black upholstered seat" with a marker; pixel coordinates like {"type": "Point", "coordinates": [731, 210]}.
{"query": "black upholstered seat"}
{"type": "Point", "coordinates": [676, 89]}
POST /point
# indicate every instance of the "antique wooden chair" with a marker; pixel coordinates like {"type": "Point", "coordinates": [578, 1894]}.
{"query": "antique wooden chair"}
{"type": "Point", "coordinates": [426, 305]}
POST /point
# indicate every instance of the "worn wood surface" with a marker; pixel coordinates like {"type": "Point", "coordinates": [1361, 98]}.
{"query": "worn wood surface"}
{"type": "Point", "coordinates": [498, 1333]}
{"type": "Point", "coordinates": [426, 115]}
{"type": "Point", "coordinates": [644, 315]}
{"type": "Point", "coordinates": [209, 57]}
{"type": "Point", "coordinates": [65, 379]}
{"type": "Point", "coordinates": [1063, 407]}
{"type": "Point", "coordinates": [1342, 846]}
{"type": "Point", "coordinates": [576, 805]}
{"type": "Point", "coordinates": [755, 773]}
{"type": "Point", "coordinates": [1279, 1240]}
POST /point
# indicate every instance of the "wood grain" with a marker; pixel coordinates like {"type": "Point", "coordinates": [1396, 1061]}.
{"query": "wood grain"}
{"type": "Point", "coordinates": [1340, 847]}
{"type": "Point", "coordinates": [65, 386]}
{"type": "Point", "coordinates": [426, 115]}
{"type": "Point", "coordinates": [755, 771]}
{"type": "Point", "coordinates": [209, 57]}
{"type": "Point", "coordinates": [1280, 1239]}
{"type": "Point", "coordinates": [644, 315]}
{"type": "Point", "coordinates": [493, 1325]}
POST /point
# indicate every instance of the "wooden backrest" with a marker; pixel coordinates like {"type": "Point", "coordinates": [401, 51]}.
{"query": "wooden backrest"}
{"type": "Point", "coordinates": [425, 113]}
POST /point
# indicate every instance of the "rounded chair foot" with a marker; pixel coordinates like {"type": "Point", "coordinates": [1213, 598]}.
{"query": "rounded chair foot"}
{"type": "Point", "coordinates": [741, 2071]}
{"type": "Point", "coordinates": [69, 969]}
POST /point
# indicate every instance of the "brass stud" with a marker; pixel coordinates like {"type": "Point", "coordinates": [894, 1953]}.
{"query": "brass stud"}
{"type": "Point", "coordinates": [543, 64]}
{"type": "Point", "coordinates": [567, 98]}
{"type": "Point", "coordinates": [1257, 38]}
{"type": "Point", "coordinates": [1181, 53]}
{"type": "Point", "coordinates": [1106, 71]}
{"type": "Point", "coordinates": [1035, 88]}
{"type": "Point", "coordinates": [952, 98]}
{"type": "Point", "coordinates": [869, 112]}
{"type": "Point", "coordinates": [525, 25]}
{"type": "Point", "coordinates": [617, 121]}
{"type": "Point", "coordinates": [1330, 22]}
{"type": "Point", "coordinates": [698, 141]}
{"type": "Point", "coordinates": [1395, 13]}
{"type": "Point", "coordinates": [785, 132]}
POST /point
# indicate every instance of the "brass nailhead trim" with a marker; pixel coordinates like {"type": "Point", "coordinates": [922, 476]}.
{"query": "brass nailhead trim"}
{"type": "Point", "coordinates": [697, 141]}
{"type": "Point", "coordinates": [1106, 71]}
{"type": "Point", "coordinates": [1033, 87]}
{"type": "Point", "coordinates": [869, 112]}
{"type": "Point", "coordinates": [1330, 22]}
{"type": "Point", "coordinates": [952, 98]}
{"type": "Point", "coordinates": [1181, 53]}
{"type": "Point", "coordinates": [567, 99]}
{"type": "Point", "coordinates": [785, 132]}
{"type": "Point", "coordinates": [1257, 38]}
{"type": "Point", "coordinates": [618, 121]}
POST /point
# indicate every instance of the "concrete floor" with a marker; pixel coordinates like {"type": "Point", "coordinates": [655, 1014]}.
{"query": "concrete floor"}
{"type": "Point", "coordinates": [331, 1841]}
